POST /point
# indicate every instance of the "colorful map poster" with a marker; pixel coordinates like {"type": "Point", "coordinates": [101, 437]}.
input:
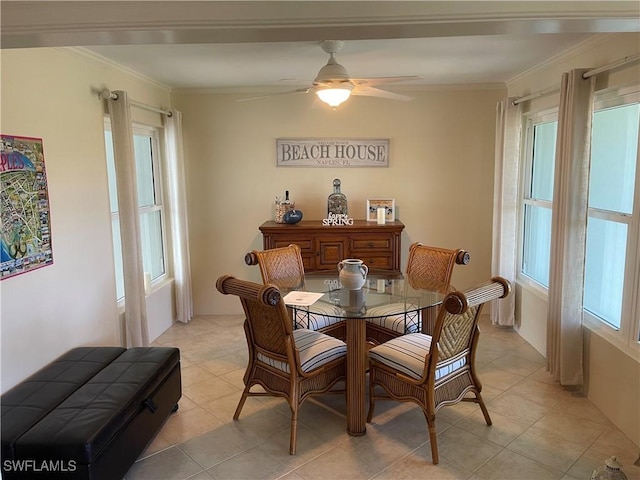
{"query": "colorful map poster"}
{"type": "Point", "coordinates": [25, 231]}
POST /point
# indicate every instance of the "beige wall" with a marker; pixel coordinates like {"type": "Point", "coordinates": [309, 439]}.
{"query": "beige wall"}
{"type": "Point", "coordinates": [612, 377]}
{"type": "Point", "coordinates": [47, 93]}
{"type": "Point", "coordinates": [440, 173]}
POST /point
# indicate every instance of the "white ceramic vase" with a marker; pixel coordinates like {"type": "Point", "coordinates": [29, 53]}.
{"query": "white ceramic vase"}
{"type": "Point", "coordinates": [352, 273]}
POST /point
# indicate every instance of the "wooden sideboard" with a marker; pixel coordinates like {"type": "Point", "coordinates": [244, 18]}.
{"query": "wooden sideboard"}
{"type": "Point", "coordinates": [323, 246]}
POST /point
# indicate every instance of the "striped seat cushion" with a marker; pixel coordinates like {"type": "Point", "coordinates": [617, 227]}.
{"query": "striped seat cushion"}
{"type": "Point", "coordinates": [316, 320]}
{"type": "Point", "coordinates": [316, 349]}
{"type": "Point", "coordinates": [407, 354]}
{"type": "Point", "coordinates": [386, 316]}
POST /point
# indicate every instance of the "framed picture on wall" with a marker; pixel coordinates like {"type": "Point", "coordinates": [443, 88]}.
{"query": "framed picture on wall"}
{"type": "Point", "coordinates": [25, 229]}
{"type": "Point", "coordinates": [389, 204]}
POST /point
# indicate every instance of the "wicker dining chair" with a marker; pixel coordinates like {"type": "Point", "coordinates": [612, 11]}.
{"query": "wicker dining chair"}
{"type": "Point", "coordinates": [439, 370]}
{"type": "Point", "coordinates": [293, 364]}
{"type": "Point", "coordinates": [284, 268]}
{"type": "Point", "coordinates": [428, 268]}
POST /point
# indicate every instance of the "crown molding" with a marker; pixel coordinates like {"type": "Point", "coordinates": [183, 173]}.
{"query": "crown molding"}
{"type": "Point", "coordinates": [581, 47]}
{"type": "Point", "coordinates": [71, 23]}
{"type": "Point", "coordinates": [100, 60]}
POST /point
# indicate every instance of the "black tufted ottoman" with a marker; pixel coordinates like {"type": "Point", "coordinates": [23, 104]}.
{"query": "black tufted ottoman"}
{"type": "Point", "coordinates": [88, 414]}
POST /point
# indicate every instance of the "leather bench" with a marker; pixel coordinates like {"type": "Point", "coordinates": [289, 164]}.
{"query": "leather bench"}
{"type": "Point", "coordinates": [88, 414]}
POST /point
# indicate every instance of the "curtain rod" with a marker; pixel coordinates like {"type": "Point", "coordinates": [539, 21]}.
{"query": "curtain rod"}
{"type": "Point", "coordinates": [611, 66]}
{"type": "Point", "coordinates": [107, 94]}
{"type": "Point", "coordinates": [541, 93]}
{"type": "Point", "coordinates": [585, 75]}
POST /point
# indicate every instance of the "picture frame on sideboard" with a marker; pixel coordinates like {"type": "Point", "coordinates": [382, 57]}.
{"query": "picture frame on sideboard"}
{"type": "Point", "coordinates": [389, 204]}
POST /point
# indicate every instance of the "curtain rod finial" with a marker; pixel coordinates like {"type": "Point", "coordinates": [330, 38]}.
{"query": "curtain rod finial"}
{"type": "Point", "coordinates": [106, 94]}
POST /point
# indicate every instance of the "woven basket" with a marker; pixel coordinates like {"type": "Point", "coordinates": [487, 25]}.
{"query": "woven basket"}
{"type": "Point", "coordinates": [281, 209]}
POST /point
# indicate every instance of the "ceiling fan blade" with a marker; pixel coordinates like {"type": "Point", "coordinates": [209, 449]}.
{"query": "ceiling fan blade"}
{"type": "Point", "coordinates": [298, 90]}
{"type": "Point", "coordinates": [367, 91]}
{"type": "Point", "coordinates": [383, 80]}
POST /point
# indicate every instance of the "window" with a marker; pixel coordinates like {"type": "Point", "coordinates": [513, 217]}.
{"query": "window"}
{"type": "Point", "coordinates": [537, 201]}
{"type": "Point", "coordinates": [612, 264]}
{"type": "Point", "coordinates": [146, 149]}
{"type": "Point", "coordinates": [612, 226]}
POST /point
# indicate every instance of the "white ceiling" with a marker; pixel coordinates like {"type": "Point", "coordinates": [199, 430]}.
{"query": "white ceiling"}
{"type": "Point", "coordinates": [450, 60]}
{"type": "Point", "coordinates": [260, 44]}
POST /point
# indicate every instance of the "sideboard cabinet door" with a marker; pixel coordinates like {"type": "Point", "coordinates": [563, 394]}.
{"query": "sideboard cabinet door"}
{"type": "Point", "coordinates": [330, 250]}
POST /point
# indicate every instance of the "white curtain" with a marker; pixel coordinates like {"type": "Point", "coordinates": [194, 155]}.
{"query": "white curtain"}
{"type": "Point", "coordinates": [136, 331]}
{"type": "Point", "coordinates": [179, 224]}
{"type": "Point", "coordinates": [568, 229]}
{"type": "Point", "coordinates": [505, 205]}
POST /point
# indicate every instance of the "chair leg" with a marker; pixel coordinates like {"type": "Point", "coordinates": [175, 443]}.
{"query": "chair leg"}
{"type": "Point", "coordinates": [294, 429]}
{"type": "Point", "coordinates": [372, 401]}
{"type": "Point", "coordinates": [483, 407]}
{"type": "Point", "coordinates": [370, 414]}
{"type": "Point", "coordinates": [431, 422]}
{"type": "Point", "coordinates": [245, 394]}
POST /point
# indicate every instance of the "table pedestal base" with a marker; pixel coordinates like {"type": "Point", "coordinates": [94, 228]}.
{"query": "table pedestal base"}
{"type": "Point", "coordinates": [356, 376]}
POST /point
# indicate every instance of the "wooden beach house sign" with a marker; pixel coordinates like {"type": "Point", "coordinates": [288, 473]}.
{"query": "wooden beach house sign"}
{"type": "Point", "coordinates": [330, 152]}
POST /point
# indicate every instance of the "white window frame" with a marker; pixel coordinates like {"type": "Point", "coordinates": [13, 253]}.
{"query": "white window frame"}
{"type": "Point", "coordinates": [530, 121]}
{"type": "Point", "coordinates": [158, 179]}
{"type": "Point", "coordinates": [625, 338]}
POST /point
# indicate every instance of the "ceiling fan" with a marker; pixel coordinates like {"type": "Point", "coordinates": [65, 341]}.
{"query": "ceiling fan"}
{"type": "Point", "coordinates": [333, 85]}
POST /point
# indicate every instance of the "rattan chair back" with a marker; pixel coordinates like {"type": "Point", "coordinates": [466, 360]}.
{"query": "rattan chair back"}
{"type": "Point", "coordinates": [457, 323]}
{"type": "Point", "coordinates": [267, 318]}
{"type": "Point", "coordinates": [433, 265]}
{"type": "Point", "coordinates": [280, 266]}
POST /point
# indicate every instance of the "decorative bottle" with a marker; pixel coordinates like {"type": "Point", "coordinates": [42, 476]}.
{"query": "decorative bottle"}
{"type": "Point", "coordinates": [283, 206]}
{"type": "Point", "coordinates": [337, 201]}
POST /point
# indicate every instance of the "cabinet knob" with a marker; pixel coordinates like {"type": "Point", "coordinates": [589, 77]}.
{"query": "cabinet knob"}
{"type": "Point", "coordinates": [370, 244]}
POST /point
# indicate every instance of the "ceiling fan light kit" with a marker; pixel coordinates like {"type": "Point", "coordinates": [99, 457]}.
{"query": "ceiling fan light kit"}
{"type": "Point", "coordinates": [333, 85]}
{"type": "Point", "coordinates": [334, 96]}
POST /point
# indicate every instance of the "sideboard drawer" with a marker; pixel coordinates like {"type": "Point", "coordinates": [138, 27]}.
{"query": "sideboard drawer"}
{"type": "Point", "coordinates": [305, 244]}
{"type": "Point", "coordinates": [376, 262]}
{"type": "Point", "coordinates": [369, 243]}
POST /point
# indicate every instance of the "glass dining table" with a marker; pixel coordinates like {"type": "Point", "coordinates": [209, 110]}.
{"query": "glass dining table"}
{"type": "Point", "coordinates": [380, 297]}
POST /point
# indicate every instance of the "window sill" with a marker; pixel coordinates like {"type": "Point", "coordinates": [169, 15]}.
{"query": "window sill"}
{"type": "Point", "coordinates": [155, 286]}
{"type": "Point", "coordinates": [612, 336]}
{"type": "Point", "coordinates": [160, 283]}
{"type": "Point", "coordinates": [533, 287]}
{"type": "Point", "coordinates": [597, 327]}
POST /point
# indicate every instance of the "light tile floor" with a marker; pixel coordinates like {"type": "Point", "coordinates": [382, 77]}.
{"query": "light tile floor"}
{"type": "Point", "coordinates": [540, 431]}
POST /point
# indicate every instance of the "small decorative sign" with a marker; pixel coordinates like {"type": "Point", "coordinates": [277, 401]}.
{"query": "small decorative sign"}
{"type": "Point", "coordinates": [329, 152]}
{"type": "Point", "coordinates": [337, 219]}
